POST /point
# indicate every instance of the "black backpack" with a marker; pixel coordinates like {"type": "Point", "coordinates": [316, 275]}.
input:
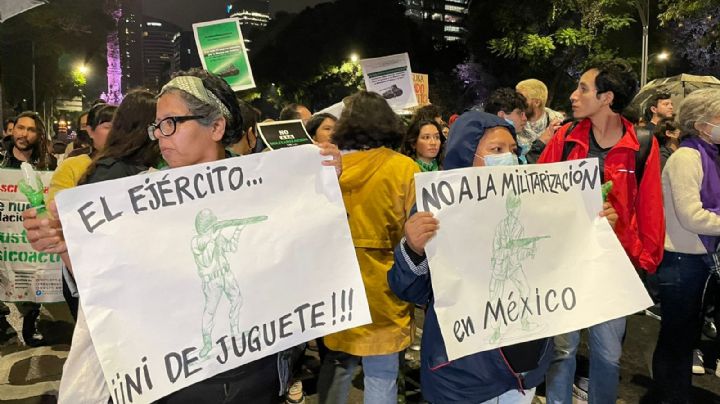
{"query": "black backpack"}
{"type": "Point", "coordinates": [644, 138]}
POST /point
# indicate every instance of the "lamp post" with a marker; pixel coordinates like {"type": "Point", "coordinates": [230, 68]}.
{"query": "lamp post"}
{"type": "Point", "coordinates": [660, 57]}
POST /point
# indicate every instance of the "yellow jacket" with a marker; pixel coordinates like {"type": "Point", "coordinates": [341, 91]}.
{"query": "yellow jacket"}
{"type": "Point", "coordinates": [68, 173]}
{"type": "Point", "coordinates": [378, 188]}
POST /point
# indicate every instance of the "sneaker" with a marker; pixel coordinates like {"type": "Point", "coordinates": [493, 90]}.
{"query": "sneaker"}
{"type": "Point", "coordinates": [717, 368]}
{"type": "Point", "coordinates": [709, 328]}
{"type": "Point", "coordinates": [295, 394]}
{"type": "Point", "coordinates": [579, 395]}
{"type": "Point", "coordinates": [654, 312]}
{"type": "Point", "coordinates": [698, 367]}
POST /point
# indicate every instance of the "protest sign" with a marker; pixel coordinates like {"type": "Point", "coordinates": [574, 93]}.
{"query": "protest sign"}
{"type": "Point", "coordinates": [421, 84]}
{"type": "Point", "coordinates": [190, 272]}
{"type": "Point", "coordinates": [280, 134]}
{"type": "Point", "coordinates": [25, 274]}
{"type": "Point", "coordinates": [390, 76]}
{"type": "Point", "coordinates": [222, 51]}
{"type": "Point", "coordinates": [522, 254]}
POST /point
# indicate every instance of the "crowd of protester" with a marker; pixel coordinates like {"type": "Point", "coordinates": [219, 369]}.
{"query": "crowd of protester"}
{"type": "Point", "coordinates": [664, 208]}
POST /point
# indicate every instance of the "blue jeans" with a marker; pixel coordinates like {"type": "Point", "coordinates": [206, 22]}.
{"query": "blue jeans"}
{"type": "Point", "coordinates": [381, 373]}
{"type": "Point", "coordinates": [683, 278]}
{"type": "Point", "coordinates": [605, 351]}
{"type": "Point", "coordinates": [513, 397]}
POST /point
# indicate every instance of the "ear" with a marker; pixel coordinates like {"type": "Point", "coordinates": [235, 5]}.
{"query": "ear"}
{"type": "Point", "coordinates": [653, 109]}
{"type": "Point", "coordinates": [218, 129]}
{"type": "Point", "coordinates": [502, 114]}
{"type": "Point", "coordinates": [608, 97]}
{"type": "Point", "coordinates": [699, 126]}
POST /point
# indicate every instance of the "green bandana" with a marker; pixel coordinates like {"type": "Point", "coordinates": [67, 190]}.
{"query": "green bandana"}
{"type": "Point", "coordinates": [425, 167]}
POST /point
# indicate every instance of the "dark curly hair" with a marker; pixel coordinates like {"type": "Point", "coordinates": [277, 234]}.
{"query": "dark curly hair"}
{"type": "Point", "coordinates": [427, 112]}
{"type": "Point", "coordinates": [367, 122]}
{"type": "Point", "coordinates": [221, 89]}
{"type": "Point", "coordinates": [412, 134]}
{"type": "Point", "coordinates": [666, 124]}
{"type": "Point", "coordinates": [506, 100]}
{"type": "Point", "coordinates": [616, 76]}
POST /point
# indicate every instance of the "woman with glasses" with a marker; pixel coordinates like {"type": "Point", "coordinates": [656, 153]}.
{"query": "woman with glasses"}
{"type": "Point", "coordinates": [196, 117]}
{"type": "Point", "coordinates": [691, 190]}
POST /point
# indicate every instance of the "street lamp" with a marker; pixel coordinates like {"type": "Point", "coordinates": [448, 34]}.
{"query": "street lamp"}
{"type": "Point", "coordinates": [663, 58]}
{"type": "Point", "coordinates": [83, 68]}
{"type": "Point", "coordinates": [354, 57]}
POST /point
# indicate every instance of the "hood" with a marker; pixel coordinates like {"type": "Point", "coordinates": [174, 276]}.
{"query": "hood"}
{"type": "Point", "coordinates": [360, 166]}
{"type": "Point", "coordinates": [465, 134]}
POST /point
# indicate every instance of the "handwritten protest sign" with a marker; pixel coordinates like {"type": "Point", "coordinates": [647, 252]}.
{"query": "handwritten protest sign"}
{"type": "Point", "coordinates": [522, 254]}
{"type": "Point", "coordinates": [25, 274]}
{"type": "Point", "coordinates": [190, 272]}
{"type": "Point", "coordinates": [422, 88]}
{"type": "Point", "coordinates": [390, 76]}
{"type": "Point", "coordinates": [222, 51]}
{"type": "Point", "coordinates": [280, 134]}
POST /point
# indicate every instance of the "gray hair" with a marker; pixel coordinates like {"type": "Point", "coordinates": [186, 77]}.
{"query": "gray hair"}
{"type": "Point", "coordinates": [197, 107]}
{"type": "Point", "coordinates": [700, 106]}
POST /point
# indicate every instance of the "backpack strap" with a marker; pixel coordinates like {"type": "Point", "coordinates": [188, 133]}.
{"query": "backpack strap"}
{"type": "Point", "coordinates": [645, 139]}
{"type": "Point", "coordinates": [568, 146]}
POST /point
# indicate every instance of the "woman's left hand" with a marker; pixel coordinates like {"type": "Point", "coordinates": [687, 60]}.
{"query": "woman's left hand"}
{"type": "Point", "coordinates": [329, 149]}
{"type": "Point", "coordinates": [610, 213]}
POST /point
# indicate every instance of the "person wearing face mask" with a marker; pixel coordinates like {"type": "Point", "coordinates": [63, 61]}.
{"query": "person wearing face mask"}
{"type": "Point", "coordinates": [509, 374]}
{"type": "Point", "coordinates": [691, 189]}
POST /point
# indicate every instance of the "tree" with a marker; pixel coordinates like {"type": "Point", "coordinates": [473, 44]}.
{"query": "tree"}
{"type": "Point", "coordinates": [695, 27]}
{"type": "Point", "coordinates": [59, 28]}
{"type": "Point", "coordinates": [553, 40]}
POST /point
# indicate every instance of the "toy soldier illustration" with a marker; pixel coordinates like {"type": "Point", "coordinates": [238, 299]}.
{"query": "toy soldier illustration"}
{"type": "Point", "coordinates": [209, 248]}
{"type": "Point", "coordinates": [510, 248]}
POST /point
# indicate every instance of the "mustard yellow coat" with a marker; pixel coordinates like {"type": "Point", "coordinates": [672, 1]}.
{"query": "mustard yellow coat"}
{"type": "Point", "coordinates": [378, 188]}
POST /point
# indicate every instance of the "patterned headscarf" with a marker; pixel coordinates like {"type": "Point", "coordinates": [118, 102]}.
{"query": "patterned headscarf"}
{"type": "Point", "coordinates": [194, 86]}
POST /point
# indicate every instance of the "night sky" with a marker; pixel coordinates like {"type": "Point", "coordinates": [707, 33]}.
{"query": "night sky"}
{"type": "Point", "coordinates": [186, 12]}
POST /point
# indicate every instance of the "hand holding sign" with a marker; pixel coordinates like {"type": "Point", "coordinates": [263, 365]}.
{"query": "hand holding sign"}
{"type": "Point", "coordinates": [44, 233]}
{"type": "Point", "coordinates": [329, 149]}
{"type": "Point", "coordinates": [419, 229]}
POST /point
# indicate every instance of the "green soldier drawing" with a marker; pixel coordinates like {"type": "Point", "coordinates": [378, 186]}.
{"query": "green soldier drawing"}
{"type": "Point", "coordinates": [209, 249]}
{"type": "Point", "coordinates": [510, 249]}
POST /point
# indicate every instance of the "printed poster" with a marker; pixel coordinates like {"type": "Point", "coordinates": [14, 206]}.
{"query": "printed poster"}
{"type": "Point", "coordinates": [222, 51]}
{"type": "Point", "coordinates": [281, 134]}
{"type": "Point", "coordinates": [391, 77]}
{"type": "Point", "coordinates": [25, 274]}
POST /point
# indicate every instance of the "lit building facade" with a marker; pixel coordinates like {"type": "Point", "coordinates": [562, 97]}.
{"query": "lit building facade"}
{"type": "Point", "coordinates": [253, 15]}
{"type": "Point", "coordinates": [157, 51]}
{"type": "Point", "coordinates": [444, 18]}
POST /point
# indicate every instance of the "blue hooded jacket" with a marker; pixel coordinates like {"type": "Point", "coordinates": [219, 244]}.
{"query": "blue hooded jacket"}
{"type": "Point", "coordinates": [481, 376]}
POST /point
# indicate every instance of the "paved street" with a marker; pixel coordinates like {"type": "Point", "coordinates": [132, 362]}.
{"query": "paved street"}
{"type": "Point", "coordinates": [31, 375]}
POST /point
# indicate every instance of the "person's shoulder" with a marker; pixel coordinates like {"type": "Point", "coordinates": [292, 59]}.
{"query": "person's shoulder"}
{"type": "Point", "coordinates": [111, 168]}
{"type": "Point", "coordinates": [682, 159]}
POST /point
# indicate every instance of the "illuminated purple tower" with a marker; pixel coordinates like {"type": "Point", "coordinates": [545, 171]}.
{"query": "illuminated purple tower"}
{"type": "Point", "coordinates": [114, 67]}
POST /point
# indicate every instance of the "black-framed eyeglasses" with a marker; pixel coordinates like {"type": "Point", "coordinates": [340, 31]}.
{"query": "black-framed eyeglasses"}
{"type": "Point", "coordinates": [168, 126]}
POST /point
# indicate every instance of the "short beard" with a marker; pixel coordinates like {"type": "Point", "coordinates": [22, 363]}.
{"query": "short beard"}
{"type": "Point", "coordinates": [26, 148]}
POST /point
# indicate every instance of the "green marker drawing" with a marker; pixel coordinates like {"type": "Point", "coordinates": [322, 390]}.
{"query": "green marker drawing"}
{"type": "Point", "coordinates": [32, 187]}
{"type": "Point", "coordinates": [209, 248]}
{"type": "Point", "coordinates": [606, 188]}
{"type": "Point", "coordinates": [510, 248]}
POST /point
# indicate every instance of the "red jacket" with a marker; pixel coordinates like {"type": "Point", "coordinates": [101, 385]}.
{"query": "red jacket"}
{"type": "Point", "coordinates": [641, 223]}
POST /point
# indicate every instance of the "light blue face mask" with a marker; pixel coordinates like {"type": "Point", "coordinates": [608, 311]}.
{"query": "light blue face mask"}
{"type": "Point", "coordinates": [510, 122]}
{"type": "Point", "coordinates": [503, 159]}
